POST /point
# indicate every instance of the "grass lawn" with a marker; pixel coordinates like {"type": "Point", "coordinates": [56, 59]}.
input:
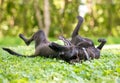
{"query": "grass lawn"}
{"type": "Point", "coordinates": [45, 70]}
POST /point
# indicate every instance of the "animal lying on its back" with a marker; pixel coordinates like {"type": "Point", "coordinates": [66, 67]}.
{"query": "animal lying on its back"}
{"type": "Point", "coordinates": [87, 49]}
{"type": "Point", "coordinates": [74, 50]}
{"type": "Point", "coordinates": [47, 49]}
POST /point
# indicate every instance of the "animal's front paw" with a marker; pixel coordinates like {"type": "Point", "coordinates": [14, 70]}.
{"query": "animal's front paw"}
{"type": "Point", "coordinates": [102, 40]}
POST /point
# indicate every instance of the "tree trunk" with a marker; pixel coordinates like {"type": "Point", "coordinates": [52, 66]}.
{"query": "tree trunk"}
{"type": "Point", "coordinates": [46, 17]}
{"type": "Point", "coordinates": [38, 14]}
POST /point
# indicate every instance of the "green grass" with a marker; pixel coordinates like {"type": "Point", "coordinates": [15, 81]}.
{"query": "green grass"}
{"type": "Point", "coordinates": [45, 70]}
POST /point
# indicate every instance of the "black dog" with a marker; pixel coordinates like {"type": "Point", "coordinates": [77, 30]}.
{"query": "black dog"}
{"type": "Point", "coordinates": [86, 46]}
{"type": "Point", "coordinates": [75, 50]}
{"type": "Point", "coordinates": [47, 49]}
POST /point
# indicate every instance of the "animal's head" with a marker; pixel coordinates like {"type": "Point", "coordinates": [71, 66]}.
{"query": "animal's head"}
{"type": "Point", "coordinates": [67, 53]}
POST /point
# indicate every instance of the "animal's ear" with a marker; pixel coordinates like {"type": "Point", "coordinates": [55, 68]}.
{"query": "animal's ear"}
{"type": "Point", "coordinates": [58, 48]}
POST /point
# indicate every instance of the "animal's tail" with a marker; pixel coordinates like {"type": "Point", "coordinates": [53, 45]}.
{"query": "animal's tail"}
{"type": "Point", "coordinates": [15, 53]}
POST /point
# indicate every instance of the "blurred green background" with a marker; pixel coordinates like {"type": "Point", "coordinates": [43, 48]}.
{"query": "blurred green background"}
{"type": "Point", "coordinates": [58, 17]}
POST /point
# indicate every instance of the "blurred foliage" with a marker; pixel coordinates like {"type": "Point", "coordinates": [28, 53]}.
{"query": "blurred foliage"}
{"type": "Point", "coordinates": [18, 16]}
{"type": "Point", "coordinates": [104, 18]}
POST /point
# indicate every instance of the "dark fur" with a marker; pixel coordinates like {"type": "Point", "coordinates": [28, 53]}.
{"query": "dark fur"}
{"type": "Point", "coordinates": [75, 50]}
{"type": "Point", "coordinates": [47, 49]}
{"type": "Point", "coordinates": [87, 50]}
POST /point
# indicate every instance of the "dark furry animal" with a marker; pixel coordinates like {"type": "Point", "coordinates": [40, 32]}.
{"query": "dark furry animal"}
{"type": "Point", "coordinates": [75, 50]}
{"type": "Point", "coordinates": [87, 50]}
{"type": "Point", "coordinates": [47, 49]}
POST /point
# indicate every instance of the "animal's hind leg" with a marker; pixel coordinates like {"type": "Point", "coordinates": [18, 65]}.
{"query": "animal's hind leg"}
{"type": "Point", "coordinates": [27, 41]}
{"type": "Point", "coordinates": [38, 37]}
{"type": "Point", "coordinates": [75, 32]}
{"type": "Point", "coordinates": [103, 41]}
